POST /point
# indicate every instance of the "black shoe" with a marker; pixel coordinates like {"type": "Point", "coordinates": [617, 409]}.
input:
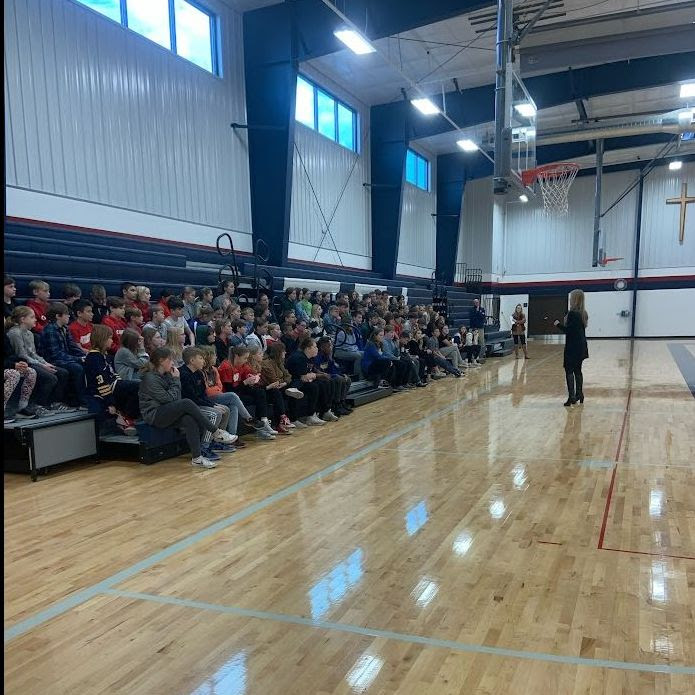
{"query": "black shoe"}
{"type": "Point", "coordinates": [346, 406]}
{"type": "Point", "coordinates": [580, 398]}
{"type": "Point", "coordinates": [458, 374]}
{"type": "Point", "coordinates": [569, 402]}
{"type": "Point", "coordinates": [25, 414]}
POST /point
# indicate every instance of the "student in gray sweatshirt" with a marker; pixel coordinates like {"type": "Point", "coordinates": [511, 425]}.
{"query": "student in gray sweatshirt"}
{"type": "Point", "coordinates": [131, 357]}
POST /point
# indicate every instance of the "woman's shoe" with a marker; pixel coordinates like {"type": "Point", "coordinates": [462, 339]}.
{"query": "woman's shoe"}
{"type": "Point", "coordinates": [580, 397]}
{"type": "Point", "coordinates": [569, 402]}
{"type": "Point", "coordinates": [282, 429]}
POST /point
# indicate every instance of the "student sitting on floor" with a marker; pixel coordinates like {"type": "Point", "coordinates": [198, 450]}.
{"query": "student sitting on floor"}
{"type": "Point", "coordinates": [51, 380]}
{"type": "Point", "coordinates": [162, 406]}
{"type": "Point", "coordinates": [81, 328]}
{"type": "Point", "coordinates": [41, 293]}
{"type": "Point", "coordinates": [115, 321]}
{"type": "Point", "coordinates": [375, 365]}
{"type": "Point", "coordinates": [347, 348]}
{"type": "Point", "coordinates": [317, 392]}
{"type": "Point", "coordinates": [131, 356]}
{"type": "Point", "coordinates": [325, 364]}
{"type": "Point", "coordinates": [116, 395]}
{"type": "Point", "coordinates": [276, 380]}
{"type": "Point", "coordinates": [193, 387]}
{"type": "Point", "coordinates": [404, 370]}
{"type": "Point", "coordinates": [432, 344]}
{"type": "Point", "coordinates": [61, 350]}
{"type": "Point", "coordinates": [418, 365]}
{"type": "Point", "coordinates": [237, 375]}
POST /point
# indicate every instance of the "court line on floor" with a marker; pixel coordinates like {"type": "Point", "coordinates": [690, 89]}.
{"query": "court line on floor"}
{"type": "Point", "coordinates": [79, 597]}
{"type": "Point", "coordinates": [406, 637]}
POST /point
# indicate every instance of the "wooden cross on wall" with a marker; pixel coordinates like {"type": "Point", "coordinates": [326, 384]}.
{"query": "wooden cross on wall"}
{"type": "Point", "coordinates": [683, 201]}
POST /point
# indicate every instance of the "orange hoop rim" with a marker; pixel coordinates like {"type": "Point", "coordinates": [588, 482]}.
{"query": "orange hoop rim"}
{"type": "Point", "coordinates": [528, 176]}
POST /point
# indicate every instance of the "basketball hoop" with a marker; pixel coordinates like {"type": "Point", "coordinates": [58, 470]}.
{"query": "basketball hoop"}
{"type": "Point", "coordinates": [554, 181]}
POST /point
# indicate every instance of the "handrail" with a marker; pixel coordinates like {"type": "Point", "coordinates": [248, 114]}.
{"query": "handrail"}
{"type": "Point", "coordinates": [262, 256]}
{"type": "Point", "coordinates": [227, 252]}
{"type": "Point", "coordinates": [221, 273]}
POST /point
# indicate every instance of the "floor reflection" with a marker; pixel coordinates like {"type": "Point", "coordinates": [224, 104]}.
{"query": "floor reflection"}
{"type": "Point", "coordinates": [230, 679]}
{"type": "Point", "coordinates": [334, 586]}
{"type": "Point", "coordinates": [416, 518]}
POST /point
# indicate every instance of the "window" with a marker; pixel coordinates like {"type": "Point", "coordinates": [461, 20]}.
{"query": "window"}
{"type": "Point", "coordinates": [417, 170]}
{"type": "Point", "coordinates": [181, 26]}
{"type": "Point", "coordinates": [319, 110]}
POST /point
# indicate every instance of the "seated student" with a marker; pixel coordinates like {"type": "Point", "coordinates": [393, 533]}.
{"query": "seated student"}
{"type": "Point", "coordinates": [131, 356]}
{"type": "Point", "coordinates": [258, 337]}
{"type": "Point", "coordinates": [473, 344]}
{"type": "Point", "coordinates": [10, 292]}
{"type": "Point", "coordinates": [233, 312]}
{"type": "Point", "coordinates": [304, 300]}
{"type": "Point", "coordinates": [316, 323]}
{"type": "Point", "coordinates": [332, 320]}
{"type": "Point", "coordinates": [216, 393]}
{"type": "Point", "coordinates": [116, 395]}
{"type": "Point", "coordinates": [97, 296]}
{"type": "Point", "coordinates": [325, 364]}
{"type": "Point", "coordinates": [317, 392]}
{"type": "Point", "coordinates": [247, 318]}
{"type": "Point", "coordinates": [61, 350]}
{"type": "Point", "coordinates": [51, 379]}
{"type": "Point", "coordinates": [205, 299]}
{"type": "Point", "coordinates": [289, 338]}
{"type": "Point", "coordinates": [115, 321]}
{"type": "Point", "coordinates": [275, 379]}
{"type": "Point", "coordinates": [193, 387]}
{"type": "Point", "coordinates": [81, 328]}
{"type": "Point", "coordinates": [157, 321]}
{"type": "Point", "coordinates": [71, 293]}
{"type": "Point", "coordinates": [274, 335]}
{"type": "Point", "coordinates": [190, 308]}
{"type": "Point", "coordinates": [162, 406]}
{"type": "Point", "coordinates": [129, 294]}
{"type": "Point", "coordinates": [376, 366]}
{"type": "Point", "coordinates": [164, 296]}
{"type": "Point", "coordinates": [237, 375]}
{"type": "Point", "coordinates": [288, 300]}
{"type": "Point", "coordinates": [432, 344]}
{"type": "Point", "coordinates": [176, 319]}
{"type": "Point", "coordinates": [17, 373]}
{"type": "Point", "coordinates": [175, 342]}
{"type": "Point", "coordinates": [223, 332]}
{"type": "Point", "coordinates": [449, 349]}
{"type": "Point", "coordinates": [464, 341]}
{"type": "Point", "coordinates": [419, 365]}
{"type": "Point", "coordinates": [142, 302]}
{"type": "Point", "coordinates": [226, 295]}
{"type": "Point", "coordinates": [403, 371]}
{"type": "Point", "coordinates": [347, 347]}
{"type": "Point", "coordinates": [133, 319]}
{"type": "Point", "coordinates": [203, 329]}
{"type": "Point", "coordinates": [418, 348]}
{"type": "Point", "coordinates": [41, 293]}
{"type": "Point", "coordinates": [238, 336]}
{"type": "Point", "coordinates": [151, 339]}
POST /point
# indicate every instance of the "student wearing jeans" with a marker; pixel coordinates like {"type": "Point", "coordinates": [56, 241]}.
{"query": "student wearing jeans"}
{"type": "Point", "coordinates": [162, 406]}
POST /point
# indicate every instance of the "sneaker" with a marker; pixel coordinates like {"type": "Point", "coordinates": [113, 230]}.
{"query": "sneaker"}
{"type": "Point", "coordinates": [209, 454]}
{"type": "Point", "coordinates": [202, 462]}
{"type": "Point", "coordinates": [284, 420]}
{"type": "Point", "coordinates": [29, 408]}
{"type": "Point", "coordinates": [62, 408]}
{"type": "Point", "coordinates": [299, 425]}
{"type": "Point", "coordinates": [313, 420]}
{"type": "Point", "coordinates": [41, 411]}
{"type": "Point", "coordinates": [239, 444]}
{"type": "Point", "coordinates": [421, 384]}
{"type": "Point", "coordinates": [294, 393]}
{"type": "Point", "coordinates": [329, 416]}
{"type": "Point", "coordinates": [25, 414]}
{"type": "Point", "coordinates": [223, 437]}
{"type": "Point", "coordinates": [264, 436]}
{"type": "Point", "coordinates": [125, 422]}
{"type": "Point", "coordinates": [128, 430]}
{"type": "Point", "coordinates": [438, 375]}
{"type": "Point", "coordinates": [340, 411]}
{"type": "Point", "coordinates": [222, 448]}
{"type": "Point", "coordinates": [256, 424]}
{"type": "Point", "coordinates": [384, 385]}
{"type": "Point", "coordinates": [267, 427]}
{"type": "Point", "coordinates": [282, 429]}
{"type": "Point", "coordinates": [8, 420]}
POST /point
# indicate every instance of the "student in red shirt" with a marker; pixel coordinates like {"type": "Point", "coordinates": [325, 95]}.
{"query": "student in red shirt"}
{"type": "Point", "coordinates": [163, 301]}
{"type": "Point", "coordinates": [236, 374]}
{"type": "Point", "coordinates": [143, 302]}
{"type": "Point", "coordinates": [130, 293]}
{"type": "Point", "coordinates": [81, 328]}
{"type": "Point", "coordinates": [39, 304]}
{"type": "Point", "coordinates": [115, 321]}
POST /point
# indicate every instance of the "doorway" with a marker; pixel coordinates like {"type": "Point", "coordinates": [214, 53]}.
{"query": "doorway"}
{"type": "Point", "coordinates": [543, 310]}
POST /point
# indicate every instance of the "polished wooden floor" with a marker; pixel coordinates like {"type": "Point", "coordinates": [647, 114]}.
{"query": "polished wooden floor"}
{"type": "Point", "coordinates": [472, 537]}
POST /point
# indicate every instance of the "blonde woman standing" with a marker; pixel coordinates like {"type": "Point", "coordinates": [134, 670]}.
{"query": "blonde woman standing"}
{"type": "Point", "coordinates": [519, 331]}
{"type": "Point", "coordinates": [576, 349]}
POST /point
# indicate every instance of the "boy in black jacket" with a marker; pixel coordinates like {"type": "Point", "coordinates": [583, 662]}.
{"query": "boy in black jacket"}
{"type": "Point", "coordinates": [193, 387]}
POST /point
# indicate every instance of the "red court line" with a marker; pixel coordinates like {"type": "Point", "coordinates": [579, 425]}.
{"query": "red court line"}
{"type": "Point", "coordinates": [606, 510]}
{"type": "Point", "coordinates": [643, 552]}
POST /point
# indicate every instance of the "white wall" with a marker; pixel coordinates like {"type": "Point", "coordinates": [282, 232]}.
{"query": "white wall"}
{"type": "Point", "coordinates": [417, 248]}
{"type": "Point", "coordinates": [604, 314]}
{"type": "Point", "coordinates": [337, 176]}
{"type": "Point", "coordinates": [475, 225]}
{"type": "Point", "coordinates": [106, 129]}
{"type": "Point", "coordinates": [665, 313]}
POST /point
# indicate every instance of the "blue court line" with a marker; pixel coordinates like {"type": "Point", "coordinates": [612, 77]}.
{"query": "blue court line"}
{"type": "Point", "coordinates": [406, 637]}
{"type": "Point", "coordinates": [685, 362]}
{"type": "Point", "coordinates": [90, 592]}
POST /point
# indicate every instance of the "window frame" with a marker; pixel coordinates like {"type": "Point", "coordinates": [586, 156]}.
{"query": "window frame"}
{"type": "Point", "coordinates": [215, 61]}
{"type": "Point", "coordinates": [419, 159]}
{"type": "Point", "coordinates": [316, 88]}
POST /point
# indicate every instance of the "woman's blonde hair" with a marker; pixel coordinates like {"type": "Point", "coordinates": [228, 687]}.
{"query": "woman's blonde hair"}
{"type": "Point", "coordinates": [210, 355]}
{"type": "Point", "coordinates": [577, 304]}
{"type": "Point", "coordinates": [172, 342]}
{"type": "Point", "coordinates": [140, 289]}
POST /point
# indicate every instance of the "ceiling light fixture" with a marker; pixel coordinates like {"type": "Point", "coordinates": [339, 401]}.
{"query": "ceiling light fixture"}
{"type": "Point", "coordinates": [688, 90]}
{"type": "Point", "coordinates": [675, 165]}
{"type": "Point", "coordinates": [467, 145]}
{"type": "Point", "coordinates": [354, 41]}
{"type": "Point", "coordinates": [523, 198]}
{"type": "Point", "coordinates": [526, 109]}
{"type": "Point", "coordinates": [425, 106]}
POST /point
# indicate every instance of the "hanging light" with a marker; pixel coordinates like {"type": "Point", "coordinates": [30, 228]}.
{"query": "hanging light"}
{"type": "Point", "coordinates": [467, 145]}
{"type": "Point", "coordinates": [354, 41]}
{"type": "Point", "coordinates": [425, 106]}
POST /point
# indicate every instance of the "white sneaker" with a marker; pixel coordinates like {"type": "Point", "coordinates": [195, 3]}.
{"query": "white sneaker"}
{"type": "Point", "coordinates": [299, 425]}
{"type": "Point", "coordinates": [202, 462]}
{"type": "Point", "coordinates": [330, 416]}
{"type": "Point", "coordinates": [314, 420]}
{"type": "Point", "coordinates": [223, 437]}
{"type": "Point", "coordinates": [294, 393]}
{"type": "Point", "coordinates": [267, 427]}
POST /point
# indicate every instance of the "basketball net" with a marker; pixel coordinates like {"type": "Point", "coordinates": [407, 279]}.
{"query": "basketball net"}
{"type": "Point", "coordinates": [554, 180]}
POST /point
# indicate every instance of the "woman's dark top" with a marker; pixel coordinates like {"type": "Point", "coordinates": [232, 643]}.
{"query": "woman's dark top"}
{"type": "Point", "coordinates": [576, 349]}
